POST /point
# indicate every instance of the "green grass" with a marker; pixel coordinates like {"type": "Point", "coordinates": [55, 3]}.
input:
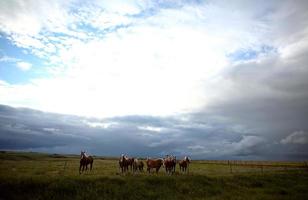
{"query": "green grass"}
{"type": "Point", "coordinates": [43, 176]}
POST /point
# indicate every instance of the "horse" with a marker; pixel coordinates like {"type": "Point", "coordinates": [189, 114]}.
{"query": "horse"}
{"type": "Point", "coordinates": [85, 160]}
{"type": "Point", "coordinates": [125, 162]}
{"type": "Point", "coordinates": [130, 162]}
{"type": "Point", "coordinates": [154, 163]}
{"type": "Point", "coordinates": [170, 164]}
{"type": "Point", "coordinates": [137, 165]}
{"type": "Point", "coordinates": [184, 164]}
{"type": "Point", "coordinates": [173, 163]}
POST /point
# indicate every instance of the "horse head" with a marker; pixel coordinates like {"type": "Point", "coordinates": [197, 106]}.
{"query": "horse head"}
{"type": "Point", "coordinates": [82, 154]}
{"type": "Point", "coordinates": [122, 157]}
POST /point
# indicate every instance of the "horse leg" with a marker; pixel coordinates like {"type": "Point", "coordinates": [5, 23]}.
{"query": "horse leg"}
{"type": "Point", "coordinates": [91, 164]}
{"type": "Point", "coordinates": [157, 169]}
{"type": "Point", "coordinates": [80, 168]}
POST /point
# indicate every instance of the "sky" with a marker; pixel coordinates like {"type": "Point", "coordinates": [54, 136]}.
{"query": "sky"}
{"type": "Point", "coordinates": [209, 79]}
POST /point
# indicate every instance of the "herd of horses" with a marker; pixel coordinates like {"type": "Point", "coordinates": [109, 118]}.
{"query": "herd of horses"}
{"type": "Point", "coordinates": [136, 165]}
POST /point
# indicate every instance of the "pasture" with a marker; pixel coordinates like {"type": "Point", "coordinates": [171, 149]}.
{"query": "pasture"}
{"type": "Point", "coordinates": [50, 176]}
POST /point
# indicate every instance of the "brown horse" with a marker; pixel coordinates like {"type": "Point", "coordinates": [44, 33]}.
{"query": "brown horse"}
{"type": "Point", "coordinates": [125, 162]}
{"type": "Point", "coordinates": [170, 164]}
{"type": "Point", "coordinates": [137, 165]}
{"type": "Point", "coordinates": [184, 164]}
{"type": "Point", "coordinates": [130, 162]}
{"type": "Point", "coordinates": [85, 160]}
{"type": "Point", "coordinates": [154, 163]}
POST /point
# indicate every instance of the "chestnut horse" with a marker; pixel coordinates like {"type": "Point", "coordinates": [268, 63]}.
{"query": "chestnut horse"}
{"type": "Point", "coordinates": [170, 164]}
{"type": "Point", "coordinates": [85, 160]}
{"type": "Point", "coordinates": [184, 164]}
{"type": "Point", "coordinates": [154, 163]}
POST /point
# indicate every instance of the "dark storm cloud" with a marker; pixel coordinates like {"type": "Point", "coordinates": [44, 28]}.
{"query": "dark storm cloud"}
{"type": "Point", "coordinates": [139, 135]}
{"type": "Point", "coordinates": [25, 129]}
{"type": "Point", "coordinates": [269, 95]}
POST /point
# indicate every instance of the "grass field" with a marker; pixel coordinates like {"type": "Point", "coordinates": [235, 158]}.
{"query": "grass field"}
{"type": "Point", "coordinates": [44, 176]}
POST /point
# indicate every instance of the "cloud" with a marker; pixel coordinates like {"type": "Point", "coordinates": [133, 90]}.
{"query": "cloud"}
{"type": "Point", "coordinates": [56, 133]}
{"type": "Point", "coordinates": [210, 74]}
{"type": "Point", "coordinates": [5, 58]}
{"type": "Point", "coordinates": [248, 144]}
{"type": "Point", "coordinates": [183, 46]}
{"type": "Point", "coordinates": [24, 66]}
{"type": "Point", "coordinates": [30, 17]}
{"type": "Point", "coordinates": [297, 137]}
{"type": "Point", "coordinates": [151, 128]}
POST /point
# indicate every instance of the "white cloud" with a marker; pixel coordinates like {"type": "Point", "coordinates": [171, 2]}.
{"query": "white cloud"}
{"type": "Point", "coordinates": [297, 137]}
{"type": "Point", "coordinates": [129, 7]}
{"type": "Point", "coordinates": [169, 62]}
{"type": "Point", "coordinates": [104, 125]}
{"type": "Point", "coordinates": [3, 83]}
{"type": "Point", "coordinates": [8, 59]}
{"type": "Point", "coordinates": [30, 17]}
{"type": "Point", "coordinates": [151, 128]}
{"type": "Point", "coordinates": [24, 66]}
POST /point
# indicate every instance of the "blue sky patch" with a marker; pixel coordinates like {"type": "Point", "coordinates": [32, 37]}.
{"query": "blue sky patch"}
{"type": "Point", "coordinates": [10, 56]}
{"type": "Point", "coordinates": [250, 54]}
